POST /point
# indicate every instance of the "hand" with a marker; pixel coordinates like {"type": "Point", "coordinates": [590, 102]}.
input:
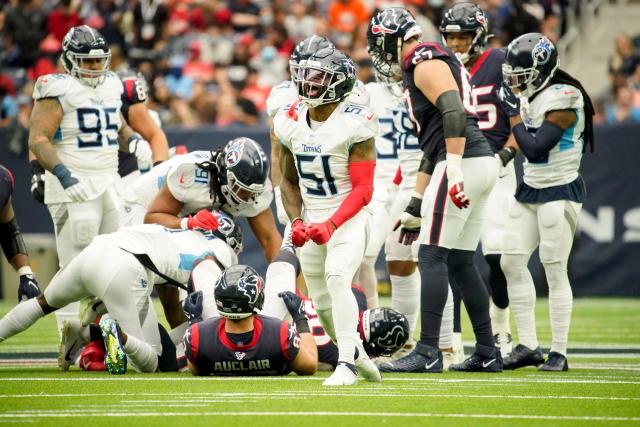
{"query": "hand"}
{"type": "Point", "coordinates": [322, 232]}
{"type": "Point", "coordinates": [28, 287]}
{"type": "Point", "coordinates": [77, 192]}
{"type": "Point", "coordinates": [192, 307]}
{"type": "Point", "coordinates": [294, 305]}
{"type": "Point", "coordinates": [299, 232]}
{"type": "Point", "coordinates": [410, 220]}
{"type": "Point", "coordinates": [203, 221]}
{"type": "Point", "coordinates": [142, 151]}
{"type": "Point", "coordinates": [509, 102]}
{"type": "Point", "coordinates": [37, 181]}
{"type": "Point", "coordinates": [456, 192]}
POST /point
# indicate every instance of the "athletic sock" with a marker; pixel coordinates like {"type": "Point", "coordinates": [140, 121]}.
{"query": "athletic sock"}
{"type": "Point", "coordinates": [21, 317]}
{"type": "Point", "coordinates": [281, 277]}
{"type": "Point", "coordinates": [499, 319]}
{"type": "Point", "coordinates": [497, 281]}
{"type": "Point", "coordinates": [178, 332]}
{"type": "Point", "coordinates": [142, 356]}
{"type": "Point", "coordinates": [345, 317]}
{"type": "Point", "coordinates": [405, 296]}
{"type": "Point", "coordinates": [560, 305]}
{"type": "Point", "coordinates": [522, 297]}
{"type": "Point", "coordinates": [446, 327]}
{"type": "Point", "coordinates": [369, 282]}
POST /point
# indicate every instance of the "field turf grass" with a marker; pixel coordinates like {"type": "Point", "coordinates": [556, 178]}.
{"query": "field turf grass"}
{"type": "Point", "coordinates": [602, 388]}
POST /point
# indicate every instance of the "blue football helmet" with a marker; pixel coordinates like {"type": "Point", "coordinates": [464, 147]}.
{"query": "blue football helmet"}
{"type": "Point", "coordinates": [531, 62]}
{"type": "Point", "coordinates": [239, 292]}
{"type": "Point", "coordinates": [228, 230]}
{"type": "Point", "coordinates": [385, 331]}
{"type": "Point", "coordinates": [243, 170]}
{"type": "Point", "coordinates": [80, 46]}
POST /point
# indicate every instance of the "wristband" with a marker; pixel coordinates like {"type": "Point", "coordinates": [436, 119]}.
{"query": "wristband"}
{"type": "Point", "coordinates": [22, 271]}
{"type": "Point", "coordinates": [454, 168]}
{"type": "Point", "coordinates": [64, 175]}
{"type": "Point", "coordinates": [417, 195]}
{"type": "Point", "coordinates": [184, 223]}
{"type": "Point", "coordinates": [276, 192]}
{"type": "Point", "coordinates": [302, 326]}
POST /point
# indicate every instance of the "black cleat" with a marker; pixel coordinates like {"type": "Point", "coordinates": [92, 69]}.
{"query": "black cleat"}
{"type": "Point", "coordinates": [478, 363]}
{"type": "Point", "coordinates": [423, 359]}
{"type": "Point", "coordinates": [556, 362]}
{"type": "Point", "coordinates": [522, 356]}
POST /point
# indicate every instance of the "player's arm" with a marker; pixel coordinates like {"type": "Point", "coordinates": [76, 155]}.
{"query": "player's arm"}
{"type": "Point", "coordinates": [264, 228]}
{"type": "Point", "coordinates": [510, 104]}
{"type": "Point", "coordinates": [435, 80]}
{"type": "Point", "coordinates": [43, 124]}
{"type": "Point", "coordinates": [132, 142]}
{"type": "Point", "coordinates": [536, 147]}
{"type": "Point", "coordinates": [291, 195]}
{"type": "Point", "coordinates": [142, 122]}
{"type": "Point", "coordinates": [276, 176]}
{"type": "Point", "coordinates": [164, 209]}
{"type": "Point", "coordinates": [306, 361]}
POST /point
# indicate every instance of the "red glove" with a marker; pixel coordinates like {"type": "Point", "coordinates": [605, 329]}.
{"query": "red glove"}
{"type": "Point", "coordinates": [322, 232]}
{"type": "Point", "coordinates": [204, 220]}
{"type": "Point", "coordinates": [299, 233]}
{"type": "Point", "coordinates": [458, 197]}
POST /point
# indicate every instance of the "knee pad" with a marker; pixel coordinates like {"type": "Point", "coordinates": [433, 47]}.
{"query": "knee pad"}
{"type": "Point", "coordinates": [83, 230]}
{"type": "Point", "coordinates": [556, 272]}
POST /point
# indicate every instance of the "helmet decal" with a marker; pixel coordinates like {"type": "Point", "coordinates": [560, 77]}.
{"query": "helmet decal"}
{"type": "Point", "coordinates": [233, 153]}
{"type": "Point", "coordinates": [481, 18]}
{"type": "Point", "coordinates": [542, 51]}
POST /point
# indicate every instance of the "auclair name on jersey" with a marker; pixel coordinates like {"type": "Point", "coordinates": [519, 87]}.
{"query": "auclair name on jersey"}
{"type": "Point", "coordinates": [241, 365]}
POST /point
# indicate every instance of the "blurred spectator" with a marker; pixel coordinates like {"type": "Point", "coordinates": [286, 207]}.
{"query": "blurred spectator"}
{"type": "Point", "coordinates": [625, 58]}
{"type": "Point", "coordinates": [23, 30]}
{"type": "Point", "coordinates": [150, 19]}
{"type": "Point", "coordinates": [273, 67]}
{"type": "Point", "coordinates": [245, 15]}
{"type": "Point", "coordinates": [62, 18]}
{"type": "Point", "coordinates": [107, 17]}
{"type": "Point", "coordinates": [8, 101]}
{"type": "Point", "coordinates": [48, 63]}
{"type": "Point", "coordinates": [623, 110]}
{"type": "Point", "coordinates": [520, 21]}
{"type": "Point", "coordinates": [299, 23]}
{"type": "Point", "coordinates": [195, 68]}
{"type": "Point", "coordinates": [345, 16]}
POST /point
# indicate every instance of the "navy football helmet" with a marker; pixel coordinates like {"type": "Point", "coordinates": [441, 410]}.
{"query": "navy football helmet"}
{"type": "Point", "coordinates": [83, 45]}
{"type": "Point", "coordinates": [307, 47]}
{"type": "Point", "coordinates": [531, 62]}
{"type": "Point", "coordinates": [243, 170]}
{"type": "Point", "coordinates": [385, 331]}
{"type": "Point", "coordinates": [326, 76]}
{"type": "Point", "coordinates": [386, 33]}
{"type": "Point", "coordinates": [239, 292]}
{"type": "Point", "coordinates": [466, 18]}
{"type": "Point", "coordinates": [228, 230]}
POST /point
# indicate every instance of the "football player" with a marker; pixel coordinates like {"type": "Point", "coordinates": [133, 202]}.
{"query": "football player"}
{"type": "Point", "coordinates": [73, 133]}
{"type": "Point", "coordinates": [464, 30]}
{"type": "Point", "coordinates": [120, 268]}
{"type": "Point", "coordinates": [12, 242]}
{"type": "Point", "coordinates": [438, 97]}
{"type": "Point", "coordinates": [327, 161]}
{"type": "Point", "coordinates": [553, 128]}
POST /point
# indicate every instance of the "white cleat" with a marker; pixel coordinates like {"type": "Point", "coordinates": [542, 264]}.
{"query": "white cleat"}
{"type": "Point", "coordinates": [70, 343]}
{"type": "Point", "coordinates": [448, 358]}
{"type": "Point", "coordinates": [367, 368]}
{"type": "Point", "coordinates": [94, 308]}
{"type": "Point", "coordinates": [343, 375]}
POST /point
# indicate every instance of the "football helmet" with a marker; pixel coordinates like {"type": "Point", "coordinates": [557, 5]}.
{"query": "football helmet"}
{"type": "Point", "coordinates": [325, 77]}
{"type": "Point", "coordinates": [307, 47]}
{"type": "Point", "coordinates": [387, 31]}
{"type": "Point", "coordinates": [239, 292]}
{"type": "Point", "coordinates": [243, 170]}
{"type": "Point", "coordinates": [385, 331]}
{"type": "Point", "coordinates": [531, 62]}
{"type": "Point", "coordinates": [466, 18]}
{"type": "Point", "coordinates": [228, 231]}
{"type": "Point", "coordinates": [82, 48]}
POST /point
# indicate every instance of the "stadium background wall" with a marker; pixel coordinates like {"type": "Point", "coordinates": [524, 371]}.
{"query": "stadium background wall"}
{"type": "Point", "coordinates": [606, 254]}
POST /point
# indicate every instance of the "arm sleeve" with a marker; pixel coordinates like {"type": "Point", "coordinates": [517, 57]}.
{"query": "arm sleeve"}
{"type": "Point", "coordinates": [361, 174]}
{"type": "Point", "coordinates": [289, 341]}
{"type": "Point", "coordinates": [536, 146]}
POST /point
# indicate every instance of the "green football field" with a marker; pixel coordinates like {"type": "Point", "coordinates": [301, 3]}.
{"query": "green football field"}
{"type": "Point", "coordinates": [602, 387]}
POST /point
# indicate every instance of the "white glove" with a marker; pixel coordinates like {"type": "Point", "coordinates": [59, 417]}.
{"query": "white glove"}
{"type": "Point", "coordinates": [281, 213]}
{"type": "Point", "coordinates": [142, 151]}
{"type": "Point", "coordinates": [78, 192]}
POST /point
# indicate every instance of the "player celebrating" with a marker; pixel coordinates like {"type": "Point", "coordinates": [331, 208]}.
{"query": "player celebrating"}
{"type": "Point", "coordinates": [464, 30]}
{"type": "Point", "coordinates": [327, 160]}
{"type": "Point", "coordinates": [554, 125]}
{"type": "Point", "coordinates": [435, 81]}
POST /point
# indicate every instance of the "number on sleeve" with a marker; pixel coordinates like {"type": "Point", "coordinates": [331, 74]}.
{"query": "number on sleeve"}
{"type": "Point", "coordinates": [487, 112]}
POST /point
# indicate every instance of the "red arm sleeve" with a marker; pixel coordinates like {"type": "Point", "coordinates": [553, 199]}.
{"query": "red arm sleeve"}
{"type": "Point", "coordinates": [361, 174]}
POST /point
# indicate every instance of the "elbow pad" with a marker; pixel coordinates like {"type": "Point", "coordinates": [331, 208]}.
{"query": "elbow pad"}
{"type": "Point", "coordinates": [454, 116]}
{"type": "Point", "coordinates": [11, 239]}
{"type": "Point", "coordinates": [426, 166]}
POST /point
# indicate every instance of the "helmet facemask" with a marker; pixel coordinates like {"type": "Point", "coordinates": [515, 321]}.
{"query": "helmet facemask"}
{"type": "Point", "coordinates": [76, 64]}
{"type": "Point", "coordinates": [393, 83]}
{"type": "Point", "coordinates": [478, 41]}
{"type": "Point", "coordinates": [316, 83]}
{"type": "Point", "coordinates": [525, 80]}
{"type": "Point", "coordinates": [237, 193]}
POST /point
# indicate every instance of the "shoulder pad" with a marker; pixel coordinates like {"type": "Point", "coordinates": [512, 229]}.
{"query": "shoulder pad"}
{"type": "Point", "coordinates": [282, 94]}
{"type": "Point", "coordinates": [360, 122]}
{"type": "Point", "coordinates": [424, 52]}
{"type": "Point", "coordinates": [132, 91]}
{"type": "Point", "coordinates": [51, 86]}
{"type": "Point", "coordinates": [359, 94]}
{"type": "Point", "coordinates": [561, 97]}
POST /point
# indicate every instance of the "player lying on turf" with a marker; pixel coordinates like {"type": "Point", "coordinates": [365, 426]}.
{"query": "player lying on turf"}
{"type": "Point", "coordinates": [121, 268]}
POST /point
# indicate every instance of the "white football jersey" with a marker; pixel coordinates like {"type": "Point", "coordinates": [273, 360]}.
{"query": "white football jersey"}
{"type": "Point", "coordinates": [87, 139]}
{"type": "Point", "coordinates": [322, 155]}
{"type": "Point", "coordinates": [173, 252]}
{"type": "Point", "coordinates": [285, 93]}
{"type": "Point", "coordinates": [397, 142]}
{"type": "Point", "coordinates": [189, 184]}
{"type": "Point", "coordinates": [562, 164]}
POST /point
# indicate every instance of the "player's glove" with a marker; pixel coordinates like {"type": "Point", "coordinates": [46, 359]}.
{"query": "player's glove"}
{"type": "Point", "coordinates": [294, 305]}
{"type": "Point", "coordinates": [506, 154]}
{"type": "Point", "coordinates": [192, 307]}
{"type": "Point", "coordinates": [320, 233]}
{"type": "Point", "coordinates": [509, 102]}
{"type": "Point", "coordinates": [76, 190]}
{"type": "Point", "coordinates": [37, 181]}
{"type": "Point", "coordinates": [203, 221]}
{"type": "Point", "coordinates": [142, 150]}
{"type": "Point", "coordinates": [455, 181]}
{"type": "Point", "coordinates": [28, 287]}
{"type": "Point", "coordinates": [458, 197]}
{"type": "Point", "coordinates": [281, 213]}
{"type": "Point", "coordinates": [410, 221]}
{"type": "Point", "coordinates": [299, 232]}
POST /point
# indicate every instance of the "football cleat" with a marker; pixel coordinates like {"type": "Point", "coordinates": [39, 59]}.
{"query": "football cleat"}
{"type": "Point", "coordinates": [366, 367]}
{"type": "Point", "coordinates": [504, 343]}
{"type": "Point", "coordinates": [115, 358]}
{"type": "Point", "coordinates": [405, 350]}
{"type": "Point", "coordinates": [556, 362]}
{"type": "Point", "coordinates": [522, 356]}
{"type": "Point", "coordinates": [343, 375]}
{"type": "Point", "coordinates": [448, 359]}
{"type": "Point", "coordinates": [94, 309]}
{"type": "Point", "coordinates": [423, 359]}
{"type": "Point", "coordinates": [478, 363]}
{"type": "Point", "coordinates": [70, 343]}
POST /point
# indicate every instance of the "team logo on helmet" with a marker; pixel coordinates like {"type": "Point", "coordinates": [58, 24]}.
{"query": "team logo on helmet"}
{"type": "Point", "coordinates": [233, 153]}
{"type": "Point", "coordinates": [541, 52]}
{"type": "Point", "coordinates": [225, 224]}
{"type": "Point", "coordinates": [481, 18]}
{"type": "Point", "coordinates": [381, 29]}
{"type": "Point", "coordinates": [250, 286]}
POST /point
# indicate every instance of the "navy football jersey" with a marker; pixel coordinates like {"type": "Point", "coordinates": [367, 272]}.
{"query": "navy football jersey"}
{"type": "Point", "coordinates": [132, 94]}
{"type": "Point", "coordinates": [6, 186]}
{"type": "Point", "coordinates": [486, 79]}
{"type": "Point", "coordinates": [269, 351]}
{"type": "Point", "coordinates": [327, 350]}
{"type": "Point", "coordinates": [427, 117]}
